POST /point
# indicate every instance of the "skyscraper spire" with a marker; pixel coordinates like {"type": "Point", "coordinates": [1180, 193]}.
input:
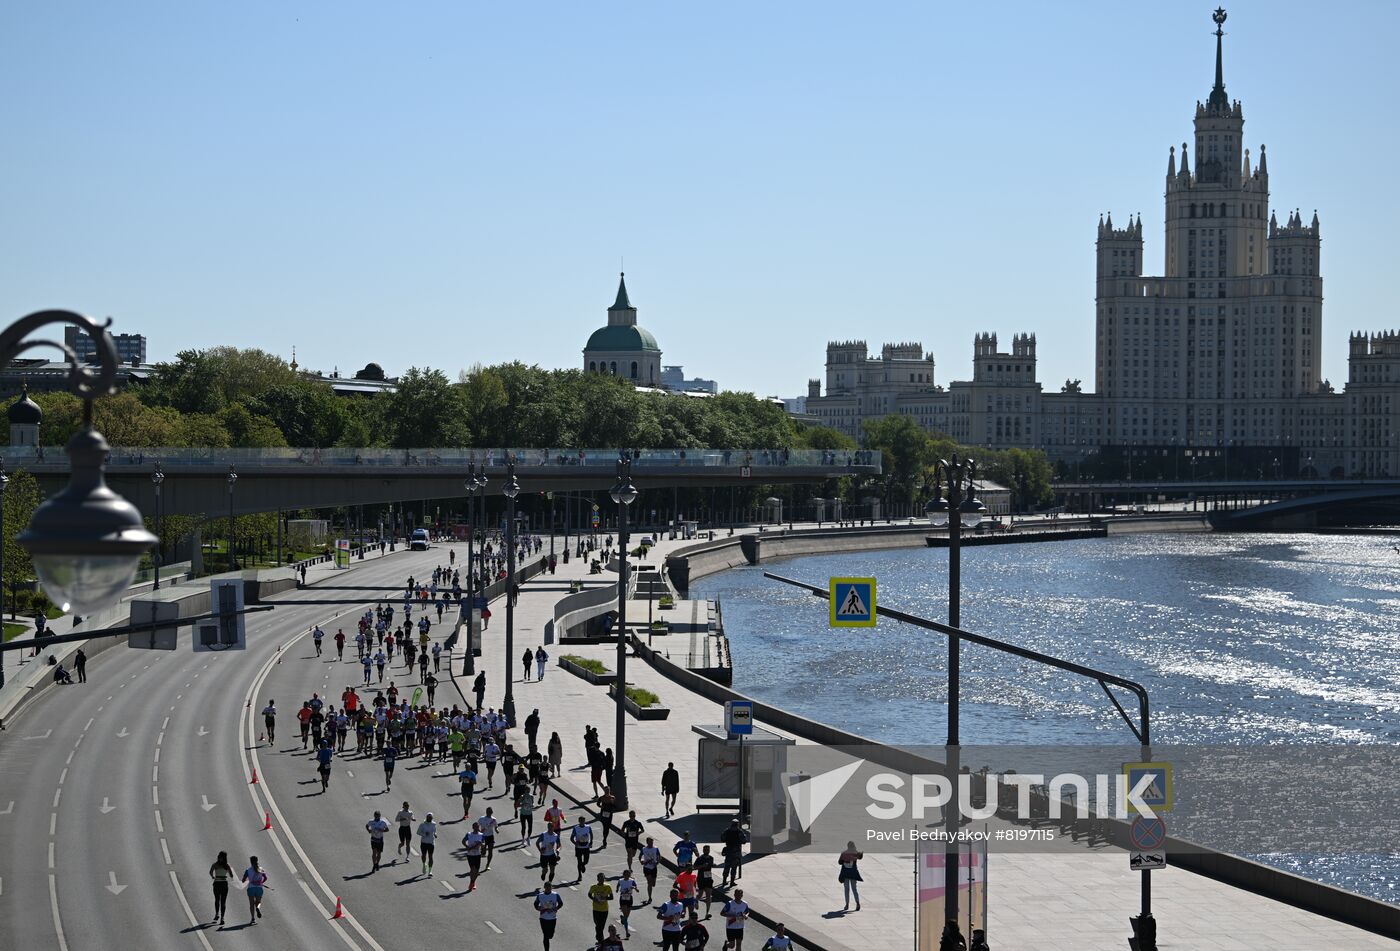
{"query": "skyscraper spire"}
{"type": "Point", "coordinates": [1218, 100]}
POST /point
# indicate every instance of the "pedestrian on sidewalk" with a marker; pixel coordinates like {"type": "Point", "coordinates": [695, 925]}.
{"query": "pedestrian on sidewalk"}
{"type": "Point", "coordinates": [556, 755]}
{"type": "Point", "coordinates": [849, 876]}
{"type": "Point", "coordinates": [532, 728]}
{"type": "Point", "coordinates": [80, 665]}
{"type": "Point", "coordinates": [733, 852]}
{"type": "Point", "coordinates": [479, 688]}
{"type": "Point", "coordinates": [547, 903]}
{"type": "Point", "coordinates": [541, 659]}
{"type": "Point", "coordinates": [979, 940]}
{"type": "Point", "coordinates": [525, 659]}
{"type": "Point", "coordinates": [952, 938]}
{"type": "Point", "coordinates": [670, 788]}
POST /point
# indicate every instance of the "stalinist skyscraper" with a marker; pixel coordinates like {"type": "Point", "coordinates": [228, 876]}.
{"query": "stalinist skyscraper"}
{"type": "Point", "coordinates": [1218, 350]}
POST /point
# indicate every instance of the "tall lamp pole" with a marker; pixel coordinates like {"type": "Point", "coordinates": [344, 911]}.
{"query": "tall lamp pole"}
{"type": "Point", "coordinates": [511, 489]}
{"type": "Point", "coordinates": [157, 478]}
{"type": "Point", "coordinates": [956, 512]}
{"type": "Point", "coordinates": [624, 493]}
{"type": "Point", "coordinates": [473, 486]}
{"type": "Point", "coordinates": [232, 479]}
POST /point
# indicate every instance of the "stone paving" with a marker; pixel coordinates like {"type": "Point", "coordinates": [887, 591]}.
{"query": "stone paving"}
{"type": "Point", "coordinates": [1067, 902]}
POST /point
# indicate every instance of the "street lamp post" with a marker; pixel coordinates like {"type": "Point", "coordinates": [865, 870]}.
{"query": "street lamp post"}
{"type": "Point", "coordinates": [157, 478]}
{"type": "Point", "coordinates": [511, 489]}
{"type": "Point", "coordinates": [232, 479]}
{"type": "Point", "coordinates": [624, 493]}
{"type": "Point", "coordinates": [956, 512]}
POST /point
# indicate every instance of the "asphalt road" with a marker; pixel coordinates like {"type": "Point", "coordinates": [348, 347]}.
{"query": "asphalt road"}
{"type": "Point", "coordinates": [115, 797]}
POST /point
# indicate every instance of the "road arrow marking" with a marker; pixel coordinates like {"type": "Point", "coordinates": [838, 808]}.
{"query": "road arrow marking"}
{"type": "Point", "coordinates": [41, 736]}
{"type": "Point", "coordinates": [8, 809]}
{"type": "Point", "coordinates": [205, 804]}
{"type": "Point", "coordinates": [113, 887]}
{"type": "Point", "coordinates": [123, 733]}
{"type": "Point", "coordinates": [202, 731]}
{"type": "Point", "coordinates": [106, 807]}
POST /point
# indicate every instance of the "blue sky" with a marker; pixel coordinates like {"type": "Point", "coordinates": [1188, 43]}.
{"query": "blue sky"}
{"type": "Point", "coordinates": [449, 183]}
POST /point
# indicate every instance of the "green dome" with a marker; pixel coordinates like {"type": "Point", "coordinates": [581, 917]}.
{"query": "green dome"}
{"type": "Point", "coordinates": [621, 338]}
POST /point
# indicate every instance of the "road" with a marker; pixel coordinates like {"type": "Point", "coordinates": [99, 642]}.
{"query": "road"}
{"type": "Point", "coordinates": [116, 796]}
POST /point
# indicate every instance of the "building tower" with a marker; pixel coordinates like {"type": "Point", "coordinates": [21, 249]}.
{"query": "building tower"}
{"type": "Point", "coordinates": [25, 417]}
{"type": "Point", "coordinates": [624, 348]}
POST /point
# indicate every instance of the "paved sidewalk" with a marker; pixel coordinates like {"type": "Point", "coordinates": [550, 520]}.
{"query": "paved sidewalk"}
{"type": "Point", "coordinates": [1048, 902]}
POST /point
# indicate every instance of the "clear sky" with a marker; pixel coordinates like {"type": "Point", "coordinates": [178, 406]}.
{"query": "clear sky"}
{"type": "Point", "coordinates": [446, 183]}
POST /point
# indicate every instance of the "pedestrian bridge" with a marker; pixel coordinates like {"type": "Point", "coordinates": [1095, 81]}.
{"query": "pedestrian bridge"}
{"type": "Point", "coordinates": [1348, 503]}
{"type": "Point", "coordinates": [196, 480]}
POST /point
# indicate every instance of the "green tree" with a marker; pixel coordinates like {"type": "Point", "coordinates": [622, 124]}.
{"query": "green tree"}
{"type": "Point", "coordinates": [906, 449]}
{"type": "Point", "coordinates": [247, 430]}
{"type": "Point", "coordinates": [427, 410]}
{"type": "Point", "coordinates": [22, 497]}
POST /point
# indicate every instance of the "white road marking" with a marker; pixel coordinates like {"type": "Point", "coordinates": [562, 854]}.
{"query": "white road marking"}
{"type": "Point", "coordinates": [179, 696]}
{"type": "Point", "coordinates": [350, 773]}
{"type": "Point", "coordinates": [51, 865]}
{"type": "Point", "coordinates": [160, 823]}
{"type": "Point", "coordinates": [91, 721]}
{"type": "Point", "coordinates": [112, 885]}
{"type": "Point", "coordinates": [53, 823]}
{"type": "Point", "coordinates": [8, 809]}
{"type": "Point", "coordinates": [445, 884]}
{"type": "Point", "coordinates": [160, 738]}
{"type": "Point", "coordinates": [155, 774]}
{"type": "Point", "coordinates": [157, 759]}
{"type": "Point", "coordinates": [63, 775]}
{"type": "Point", "coordinates": [165, 723]}
{"type": "Point", "coordinates": [56, 794]}
{"type": "Point", "coordinates": [493, 927]}
{"type": "Point", "coordinates": [106, 807]}
{"type": "Point", "coordinates": [165, 850]}
{"type": "Point", "coordinates": [57, 922]}
{"type": "Point", "coordinates": [40, 736]}
{"type": "Point", "coordinates": [155, 795]}
{"type": "Point", "coordinates": [189, 912]}
{"type": "Point", "coordinates": [205, 804]}
{"type": "Point", "coordinates": [202, 731]}
{"type": "Point", "coordinates": [70, 755]}
{"type": "Point", "coordinates": [123, 733]}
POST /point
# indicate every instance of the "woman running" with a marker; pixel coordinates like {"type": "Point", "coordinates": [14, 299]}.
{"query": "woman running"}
{"type": "Point", "coordinates": [222, 873]}
{"type": "Point", "coordinates": [257, 881]}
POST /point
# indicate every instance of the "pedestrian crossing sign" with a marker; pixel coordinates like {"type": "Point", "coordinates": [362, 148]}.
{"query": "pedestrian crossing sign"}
{"type": "Point", "coordinates": [1156, 779]}
{"type": "Point", "coordinates": [852, 602]}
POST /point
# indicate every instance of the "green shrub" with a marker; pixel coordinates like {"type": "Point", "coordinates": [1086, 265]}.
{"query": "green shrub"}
{"type": "Point", "coordinates": [641, 697]}
{"type": "Point", "coordinates": [587, 663]}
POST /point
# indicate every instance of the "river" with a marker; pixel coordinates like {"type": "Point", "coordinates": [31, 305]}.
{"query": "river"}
{"type": "Point", "coordinates": [1239, 639]}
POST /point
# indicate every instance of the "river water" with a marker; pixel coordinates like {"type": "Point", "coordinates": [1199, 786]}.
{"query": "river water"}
{"type": "Point", "coordinates": [1239, 639]}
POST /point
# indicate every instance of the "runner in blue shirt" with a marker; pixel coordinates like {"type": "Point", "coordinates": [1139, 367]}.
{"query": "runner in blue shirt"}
{"type": "Point", "coordinates": [391, 756]}
{"type": "Point", "coordinates": [323, 759]}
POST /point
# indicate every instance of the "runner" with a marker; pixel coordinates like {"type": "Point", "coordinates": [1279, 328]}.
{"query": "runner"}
{"type": "Point", "coordinates": [376, 828]}
{"type": "Point", "coordinates": [685, 850]}
{"type": "Point", "coordinates": [270, 721]}
{"type": "Point", "coordinates": [694, 935]}
{"type": "Point", "coordinates": [316, 636]}
{"type": "Point", "coordinates": [488, 832]}
{"type": "Point", "coordinates": [222, 873]}
{"type": "Point", "coordinates": [626, 895]}
{"type": "Point", "coordinates": [779, 941]}
{"type": "Point", "coordinates": [686, 886]}
{"type": "Point", "coordinates": [613, 942]}
{"type": "Point", "coordinates": [257, 881]}
{"type": "Point", "coordinates": [525, 810]}
{"type": "Point", "coordinates": [705, 878]}
{"type": "Point", "coordinates": [548, 903]}
{"type": "Point", "coordinates": [548, 846]}
{"type": "Point", "coordinates": [607, 803]}
{"type": "Point", "coordinates": [735, 912]}
{"type": "Point", "coordinates": [323, 760]}
{"type": "Point", "coordinates": [581, 835]}
{"type": "Point", "coordinates": [391, 757]}
{"type": "Point", "coordinates": [467, 778]}
{"type": "Point", "coordinates": [474, 842]}
{"type": "Point", "coordinates": [405, 820]}
{"type": "Point", "coordinates": [600, 894]}
{"type": "Point", "coordinates": [304, 721]}
{"type": "Point", "coordinates": [366, 662]}
{"type": "Point", "coordinates": [671, 914]}
{"type": "Point", "coordinates": [491, 753]}
{"type": "Point", "coordinates": [632, 831]}
{"type": "Point", "coordinates": [339, 644]}
{"type": "Point", "coordinates": [554, 816]}
{"type": "Point", "coordinates": [650, 857]}
{"type": "Point", "coordinates": [427, 839]}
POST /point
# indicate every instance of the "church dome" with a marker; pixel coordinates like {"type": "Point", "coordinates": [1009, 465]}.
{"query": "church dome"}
{"type": "Point", "coordinates": [621, 338]}
{"type": "Point", "coordinates": [24, 411]}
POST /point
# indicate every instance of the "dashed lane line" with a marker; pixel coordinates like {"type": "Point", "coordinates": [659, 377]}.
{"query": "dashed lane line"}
{"type": "Point", "coordinates": [165, 851]}
{"type": "Point", "coordinates": [160, 823]}
{"type": "Point", "coordinates": [189, 912]}
{"type": "Point", "coordinates": [53, 907]}
{"type": "Point", "coordinates": [490, 924]}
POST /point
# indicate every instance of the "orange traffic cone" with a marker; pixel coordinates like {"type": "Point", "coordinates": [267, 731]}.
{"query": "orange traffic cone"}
{"type": "Point", "coordinates": [267, 822]}
{"type": "Point", "coordinates": [339, 912]}
{"type": "Point", "coordinates": [255, 777]}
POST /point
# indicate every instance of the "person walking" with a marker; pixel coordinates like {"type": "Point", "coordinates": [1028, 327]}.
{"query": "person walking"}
{"type": "Point", "coordinates": [600, 894]}
{"type": "Point", "coordinates": [548, 903]}
{"type": "Point", "coordinates": [541, 659]}
{"type": "Point", "coordinates": [733, 853]}
{"type": "Point", "coordinates": [80, 665]}
{"type": "Point", "coordinates": [670, 788]}
{"type": "Point", "coordinates": [376, 828]}
{"type": "Point", "coordinates": [256, 879]}
{"type": "Point", "coordinates": [221, 873]}
{"type": "Point", "coordinates": [532, 728]}
{"type": "Point", "coordinates": [525, 659]}
{"type": "Point", "coordinates": [849, 876]}
{"type": "Point", "coordinates": [556, 755]}
{"type": "Point", "coordinates": [479, 688]}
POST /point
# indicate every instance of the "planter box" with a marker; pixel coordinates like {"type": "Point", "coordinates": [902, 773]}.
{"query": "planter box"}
{"type": "Point", "coordinates": [666, 607]}
{"type": "Point", "coordinates": [640, 713]}
{"type": "Point", "coordinates": [596, 680]}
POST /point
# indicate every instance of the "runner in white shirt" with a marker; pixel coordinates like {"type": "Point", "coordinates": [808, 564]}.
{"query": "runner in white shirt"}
{"type": "Point", "coordinates": [488, 831]}
{"type": "Point", "coordinates": [474, 842]}
{"type": "Point", "coordinates": [672, 917]}
{"type": "Point", "coordinates": [405, 820]}
{"type": "Point", "coordinates": [427, 839]}
{"type": "Point", "coordinates": [736, 913]}
{"type": "Point", "coordinates": [548, 846]}
{"type": "Point", "coordinates": [626, 895]}
{"type": "Point", "coordinates": [779, 941]}
{"type": "Point", "coordinates": [581, 835]}
{"type": "Point", "coordinates": [548, 903]}
{"type": "Point", "coordinates": [376, 828]}
{"type": "Point", "coordinates": [650, 857]}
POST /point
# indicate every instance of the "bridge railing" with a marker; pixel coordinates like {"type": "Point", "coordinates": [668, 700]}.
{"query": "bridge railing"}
{"type": "Point", "coordinates": [864, 460]}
